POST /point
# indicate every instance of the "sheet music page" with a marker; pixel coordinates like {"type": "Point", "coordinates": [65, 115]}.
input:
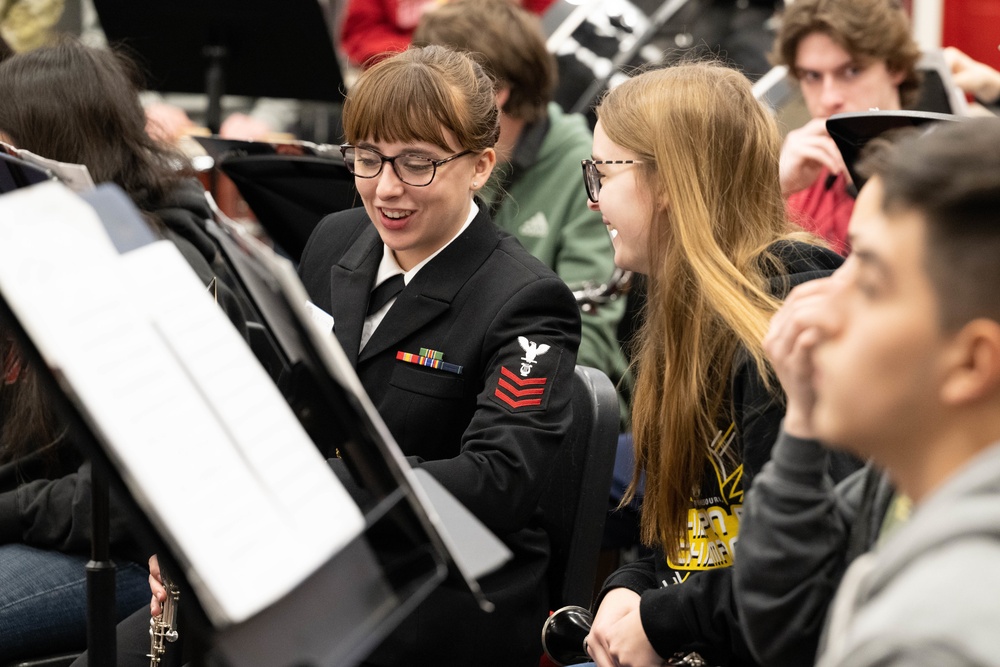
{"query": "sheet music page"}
{"type": "Point", "coordinates": [202, 436]}
{"type": "Point", "coordinates": [470, 547]}
{"type": "Point", "coordinates": [484, 552]}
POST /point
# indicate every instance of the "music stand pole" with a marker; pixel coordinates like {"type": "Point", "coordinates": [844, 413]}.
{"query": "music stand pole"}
{"type": "Point", "coordinates": [255, 48]}
{"type": "Point", "coordinates": [101, 637]}
{"type": "Point", "coordinates": [215, 86]}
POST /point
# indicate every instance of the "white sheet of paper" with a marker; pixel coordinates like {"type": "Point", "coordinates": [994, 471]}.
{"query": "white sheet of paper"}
{"type": "Point", "coordinates": [204, 439]}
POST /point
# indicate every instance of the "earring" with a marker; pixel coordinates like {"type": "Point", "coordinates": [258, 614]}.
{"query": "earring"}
{"type": "Point", "coordinates": [475, 184]}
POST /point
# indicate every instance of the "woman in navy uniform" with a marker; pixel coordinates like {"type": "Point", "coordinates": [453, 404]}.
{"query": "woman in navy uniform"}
{"type": "Point", "coordinates": [470, 365]}
{"type": "Point", "coordinates": [469, 360]}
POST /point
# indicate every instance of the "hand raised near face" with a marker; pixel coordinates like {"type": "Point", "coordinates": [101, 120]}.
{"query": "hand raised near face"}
{"type": "Point", "coordinates": [804, 155]}
{"type": "Point", "coordinates": [809, 315]}
{"type": "Point", "coordinates": [972, 76]}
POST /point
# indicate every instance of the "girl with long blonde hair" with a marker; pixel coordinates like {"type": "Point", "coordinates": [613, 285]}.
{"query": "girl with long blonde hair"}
{"type": "Point", "coordinates": [685, 174]}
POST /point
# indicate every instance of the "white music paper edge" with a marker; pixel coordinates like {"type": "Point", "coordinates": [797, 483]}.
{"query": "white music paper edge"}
{"type": "Point", "coordinates": [220, 497]}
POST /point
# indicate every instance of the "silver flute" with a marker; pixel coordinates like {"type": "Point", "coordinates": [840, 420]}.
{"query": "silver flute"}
{"type": "Point", "coordinates": [163, 628]}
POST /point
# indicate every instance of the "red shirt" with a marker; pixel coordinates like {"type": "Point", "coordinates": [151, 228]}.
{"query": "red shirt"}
{"type": "Point", "coordinates": [374, 28]}
{"type": "Point", "coordinates": [824, 211]}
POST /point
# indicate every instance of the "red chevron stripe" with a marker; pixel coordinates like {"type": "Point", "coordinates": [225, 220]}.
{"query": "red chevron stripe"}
{"type": "Point", "coordinates": [517, 404]}
{"type": "Point", "coordinates": [522, 382]}
{"type": "Point", "coordinates": [520, 392]}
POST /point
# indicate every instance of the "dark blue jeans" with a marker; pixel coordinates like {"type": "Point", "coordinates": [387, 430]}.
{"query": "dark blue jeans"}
{"type": "Point", "coordinates": [43, 600]}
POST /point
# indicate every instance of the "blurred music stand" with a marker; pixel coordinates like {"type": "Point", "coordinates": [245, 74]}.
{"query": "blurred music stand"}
{"type": "Point", "coordinates": [243, 47]}
{"type": "Point", "coordinates": [343, 609]}
{"type": "Point", "coordinates": [290, 194]}
{"type": "Point", "coordinates": [852, 131]}
{"type": "Point", "coordinates": [938, 91]}
{"type": "Point", "coordinates": [596, 42]}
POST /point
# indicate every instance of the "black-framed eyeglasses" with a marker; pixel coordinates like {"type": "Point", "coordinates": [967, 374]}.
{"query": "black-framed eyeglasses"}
{"type": "Point", "coordinates": [592, 177]}
{"type": "Point", "coordinates": [416, 170]}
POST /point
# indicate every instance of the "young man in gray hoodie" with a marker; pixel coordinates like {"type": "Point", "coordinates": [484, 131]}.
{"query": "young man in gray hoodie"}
{"type": "Point", "coordinates": [895, 358]}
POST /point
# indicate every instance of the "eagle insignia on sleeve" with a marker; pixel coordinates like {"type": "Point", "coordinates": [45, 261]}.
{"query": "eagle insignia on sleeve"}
{"type": "Point", "coordinates": [532, 351]}
{"type": "Point", "coordinates": [524, 384]}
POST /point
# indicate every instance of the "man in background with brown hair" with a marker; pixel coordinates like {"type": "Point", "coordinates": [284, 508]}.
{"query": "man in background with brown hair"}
{"type": "Point", "coordinates": [847, 55]}
{"type": "Point", "coordinates": [535, 197]}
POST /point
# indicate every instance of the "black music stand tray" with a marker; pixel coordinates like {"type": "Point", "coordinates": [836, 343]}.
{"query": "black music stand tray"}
{"type": "Point", "coordinates": [242, 47]}
{"type": "Point", "coordinates": [852, 131]}
{"type": "Point", "coordinates": [290, 194]}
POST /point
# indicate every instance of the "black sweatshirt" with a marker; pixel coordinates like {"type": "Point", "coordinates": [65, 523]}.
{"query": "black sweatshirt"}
{"type": "Point", "coordinates": [690, 606]}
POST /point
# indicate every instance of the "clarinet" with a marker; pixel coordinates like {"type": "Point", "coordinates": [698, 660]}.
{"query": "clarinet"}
{"type": "Point", "coordinates": [566, 629]}
{"type": "Point", "coordinates": [163, 628]}
{"type": "Point", "coordinates": [591, 295]}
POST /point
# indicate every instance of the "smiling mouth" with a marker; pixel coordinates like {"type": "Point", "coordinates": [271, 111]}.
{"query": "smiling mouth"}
{"type": "Point", "coordinates": [396, 219]}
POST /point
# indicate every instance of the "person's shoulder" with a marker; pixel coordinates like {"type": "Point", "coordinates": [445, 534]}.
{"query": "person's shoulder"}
{"type": "Point", "coordinates": [801, 262]}
{"type": "Point", "coordinates": [510, 271]}
{"type": "Point", "coordinates": [939, 598]}
{"type": "Point", "coordinates": [569, 131]}
{"type": "Point", "coordinates": [338, 229]}
{"type": "Point", "coordinates": [344, 222]}
{"type": "Point", "coordinates": [330, 240]}
{"type": "Point", "coordinates": [517, 260]}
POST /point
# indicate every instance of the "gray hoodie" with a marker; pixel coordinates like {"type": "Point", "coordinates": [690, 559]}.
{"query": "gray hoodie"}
{"type": "Point", "coordinates": [930, 595]}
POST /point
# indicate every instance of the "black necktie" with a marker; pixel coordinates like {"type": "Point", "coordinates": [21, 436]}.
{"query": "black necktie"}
{"type": "Point", "coordinates": [385, 292]}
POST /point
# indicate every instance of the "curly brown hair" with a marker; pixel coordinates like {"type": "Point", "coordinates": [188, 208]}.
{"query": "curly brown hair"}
{"type": "Point", "coordinates": [867, 29]}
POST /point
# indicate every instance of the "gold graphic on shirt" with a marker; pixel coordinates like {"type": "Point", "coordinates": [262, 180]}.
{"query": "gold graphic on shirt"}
{"type": "Point", "coordinates": [714, 522]}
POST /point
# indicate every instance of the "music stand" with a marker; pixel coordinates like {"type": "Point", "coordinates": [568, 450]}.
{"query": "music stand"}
{"type": "Point", "coordinates": [852, 131]}
{"type": "Point", "coordinates": [289, 195]}
{"type": "Point", "coordinates": [15, 173]}
{"type": "Point", "coordinates": [243, 47]}
{"type": "Point", "coordinates": [377, 578]}
{"type": "Point", "coordinates": [632, 29]}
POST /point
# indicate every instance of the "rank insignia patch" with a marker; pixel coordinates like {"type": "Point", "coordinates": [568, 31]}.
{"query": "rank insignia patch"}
{"type": "Point", "coordinates": [523, 377]}
{"type": "Point", "coordinates": [520, 392]}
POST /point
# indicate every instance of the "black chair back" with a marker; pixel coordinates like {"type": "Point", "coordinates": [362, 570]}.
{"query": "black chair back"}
{"type": "Point", "coordinates": [575, 503]}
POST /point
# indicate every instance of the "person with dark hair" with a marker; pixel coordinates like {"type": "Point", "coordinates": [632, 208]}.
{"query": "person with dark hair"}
{"type": "Point", "coordinates": [539, 151]}
{"type": "Point", "coordinates": [709, 231]}
{"type": "Point", "coordinates": [895, 358]}
{"type": "Point", "coordinates": [846, 55]}
{"type": "Point", "coordinates": [465, 343]}
{"type": "Point", "coordinates": [76, 104]}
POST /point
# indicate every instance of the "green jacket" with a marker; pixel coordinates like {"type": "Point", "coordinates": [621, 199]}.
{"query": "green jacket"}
{"type": "Point", "coordinates": [545, 207]}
